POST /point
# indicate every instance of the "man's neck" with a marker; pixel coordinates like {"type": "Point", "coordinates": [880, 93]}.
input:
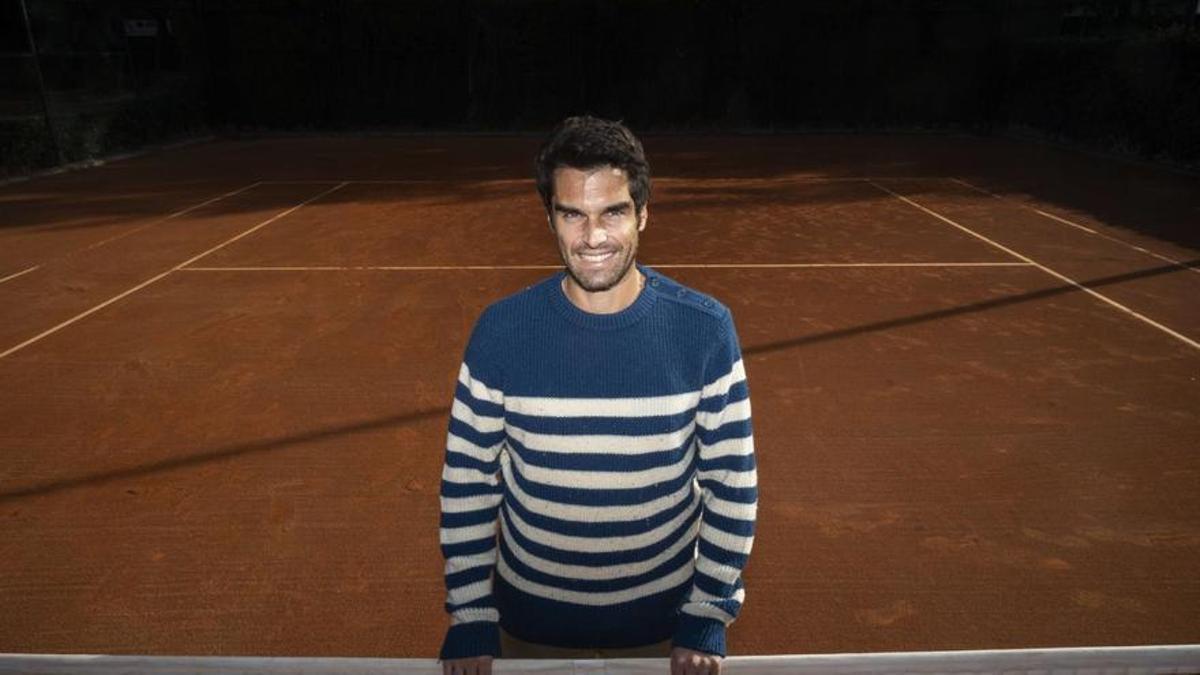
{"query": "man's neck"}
{"type": "Point", "coordinates": [613, 300]}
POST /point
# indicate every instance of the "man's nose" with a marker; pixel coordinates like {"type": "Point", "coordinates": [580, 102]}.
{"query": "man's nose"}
{"type": "Point", "coordinates": [595, 235]}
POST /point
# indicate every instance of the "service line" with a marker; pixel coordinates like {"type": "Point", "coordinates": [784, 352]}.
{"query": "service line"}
{"type": "Point", "coordinates": [814, 180]}
{"type": "Point", "coordinates": [1085, 228]}
{"type": "Point", "coordinates": [1179, 336]}
{"type": "Point", "coordinates": [454, 268]}
{"type": "Point", "coordinates": [147, 282]}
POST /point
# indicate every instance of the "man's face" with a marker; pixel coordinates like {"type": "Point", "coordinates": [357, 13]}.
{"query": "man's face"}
{"type": "Point", "coordinates": [597, 225]}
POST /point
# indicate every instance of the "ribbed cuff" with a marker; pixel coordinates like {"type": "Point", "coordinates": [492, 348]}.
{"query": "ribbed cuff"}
{"type": "Point", "coordinates": [476, 638]}
{"type": "Point", "coordinates": [700, 634]}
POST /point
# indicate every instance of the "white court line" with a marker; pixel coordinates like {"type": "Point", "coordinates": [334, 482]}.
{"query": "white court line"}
{"type": "Point", "coordinates": [166, 218]}
{"type": "Point", "coordinates": [1185, 339]}
{"type": "Point", "coordinates": [448, 268]}
{"type": "Point", "coordinates": [146, 283]}
{"type": "Point", "coordinates": [1085, 228]}
{"type": "Point", "coordinates": [660, 179]}
{"type": "Point", "coordinates": [22, 272]}
{"type": "Point", "coordinates": [806, 265]}
{"type": "Point", "coordinates": [345, 268]}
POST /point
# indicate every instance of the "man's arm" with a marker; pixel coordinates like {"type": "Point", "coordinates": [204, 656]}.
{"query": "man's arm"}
{"type": "Point", "coordinates": [729, 480]}
{"type": "Point", "coordinates": [471, 491]}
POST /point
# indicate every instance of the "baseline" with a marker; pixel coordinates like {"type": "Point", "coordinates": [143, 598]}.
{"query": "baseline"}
{"type": "Point", "coordinates": [1179, 336]}
{"type": "Point", "coordinates": [146, 283]}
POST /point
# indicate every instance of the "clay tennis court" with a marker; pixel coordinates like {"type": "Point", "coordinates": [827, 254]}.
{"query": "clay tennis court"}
{"type": "Point", "coordinates": [226, 370]}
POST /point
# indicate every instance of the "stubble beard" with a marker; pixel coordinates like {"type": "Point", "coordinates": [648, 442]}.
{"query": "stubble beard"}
{"type": "Point", "coordinates": [602, 282]}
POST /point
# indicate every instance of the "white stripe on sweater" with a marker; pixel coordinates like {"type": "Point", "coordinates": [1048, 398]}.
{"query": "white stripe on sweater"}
{"type": "Point", "coordinates": [473, 503]}
{"type": "Point", "coordinates": [465, 476]}
{"type": "Point", "coordinates": [458, 535]}
{"type": "Point", "coordinates": [464, 594]}
{"type": "Point", "coordinates": [722, 573]}
{"type": "Point", "coordinates": [465, 562]}
{"type": "Point", "coordinates": [473, 614]}
{"type": "Point", "coordinates": [729, 447]}
{"type": "Point", "coordinates": [736, 510]}
{"type": "Point", "coordinates": [481, 423]}
{"type": "Point", "coordinates": [478, 389]}
{"type": "Point", "coordinates": [671, 580]}
{"type": "Point", "coordinates": [734, 543]}
{"type": "Point", "coordinates": [700, 595]}
{"type": "Point", "coordinates": [733, 412]}
{"type": "Point", "coordinates": [706, 611]}
{"type": "Point", "coordinates": [648, 406]}
{"type": "Point", "coordinates": [722, 385]}
{"type": "Point", "coordinates": [606, 444]}
{"type": "Point", "coordinates": [733, 479]}
{"type": "Point", "coordinates": [461, 445]}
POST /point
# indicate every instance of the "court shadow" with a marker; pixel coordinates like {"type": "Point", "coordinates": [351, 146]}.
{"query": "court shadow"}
{"type": "Point", "coordinates": [967, 309]}
{"type": "Point", "coordinates": [266, 445]}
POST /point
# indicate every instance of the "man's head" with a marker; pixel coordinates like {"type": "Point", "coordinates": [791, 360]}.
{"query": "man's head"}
{"type": "Point", "coordinates": [594, 181]}
{"type": "Point", "coordinates": [587, 142]}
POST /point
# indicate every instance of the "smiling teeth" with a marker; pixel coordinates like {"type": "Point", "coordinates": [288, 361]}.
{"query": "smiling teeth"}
{"type": "Point", "coordinates": [596, 258]}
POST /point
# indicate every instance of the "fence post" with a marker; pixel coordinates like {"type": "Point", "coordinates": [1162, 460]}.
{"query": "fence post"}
{"type": "Point", "coordinates": [37, 67]}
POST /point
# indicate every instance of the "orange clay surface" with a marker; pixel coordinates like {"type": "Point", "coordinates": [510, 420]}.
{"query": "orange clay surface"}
{"type": "Point", "coordinates": [223, 414]}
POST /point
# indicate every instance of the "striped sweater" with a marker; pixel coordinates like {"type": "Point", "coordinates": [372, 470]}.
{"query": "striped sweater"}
{"type": "Point", "coordinates": [599, 486]}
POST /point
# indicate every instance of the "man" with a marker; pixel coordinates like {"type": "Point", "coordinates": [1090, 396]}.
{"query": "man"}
{"type": "Point", "coordinates": [599, 491]}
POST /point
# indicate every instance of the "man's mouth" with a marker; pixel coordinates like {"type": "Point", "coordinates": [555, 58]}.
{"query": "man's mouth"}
{"type": "Point", "coordinates": [597, 257]}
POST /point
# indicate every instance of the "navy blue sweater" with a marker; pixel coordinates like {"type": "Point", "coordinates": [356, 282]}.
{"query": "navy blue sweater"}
{"type": "Point", "coordinates": [599, 486]}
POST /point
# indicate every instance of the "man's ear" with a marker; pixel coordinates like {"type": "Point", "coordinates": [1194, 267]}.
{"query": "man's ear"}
{"type": "Point", "coordinates": [643, 216]}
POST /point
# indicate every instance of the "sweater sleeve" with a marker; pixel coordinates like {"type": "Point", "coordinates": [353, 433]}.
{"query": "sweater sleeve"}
{"type": "Point", "coordinates": [729, 482]}
{"type": "Point", "coordinates": [471, 491]}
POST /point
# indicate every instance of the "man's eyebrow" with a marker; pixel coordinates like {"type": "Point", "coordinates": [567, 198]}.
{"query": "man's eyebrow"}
{"type": "Point", "coordinates": [615, 206]}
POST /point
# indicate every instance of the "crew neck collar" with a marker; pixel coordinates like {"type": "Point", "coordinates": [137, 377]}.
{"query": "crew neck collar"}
{"type": "Point", "coordinates": [626, 317]}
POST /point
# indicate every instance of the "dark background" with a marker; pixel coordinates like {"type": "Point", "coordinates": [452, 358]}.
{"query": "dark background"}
{"type": "Point", "coordinates": [1121, 76]}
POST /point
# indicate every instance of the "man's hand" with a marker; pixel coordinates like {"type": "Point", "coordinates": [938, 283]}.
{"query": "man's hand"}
{"type": "Point", "coordinates": [686, 661]}
{"type": "Point", "coordinates": [475, 665]}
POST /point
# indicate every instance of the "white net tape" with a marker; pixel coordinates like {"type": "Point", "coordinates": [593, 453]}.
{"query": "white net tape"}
{"type": "Point", "coordinates": [1177, 659]}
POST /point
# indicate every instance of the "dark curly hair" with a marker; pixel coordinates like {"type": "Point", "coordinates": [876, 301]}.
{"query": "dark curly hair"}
{"type": "Point", "coordinates": [587, 142]}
